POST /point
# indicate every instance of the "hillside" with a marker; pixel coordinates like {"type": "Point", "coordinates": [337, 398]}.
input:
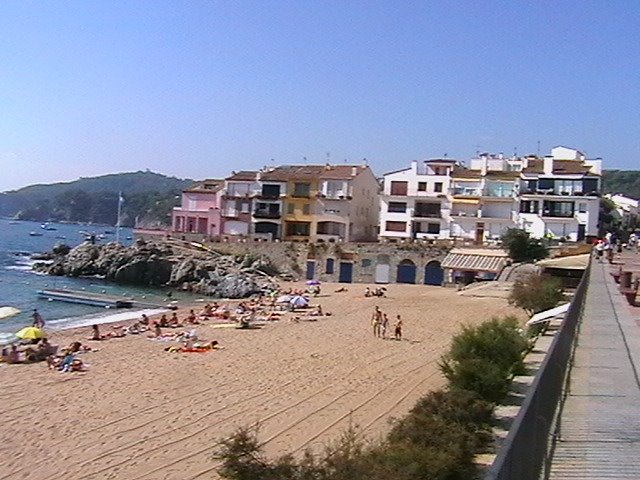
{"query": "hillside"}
{"type": "Point", "coordinates": [147, 195]}
{"type": "Point", "coordinates": [626, 182]}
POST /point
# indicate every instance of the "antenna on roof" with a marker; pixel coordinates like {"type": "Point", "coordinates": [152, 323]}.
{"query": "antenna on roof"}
{"type": "Point", "coordinates": [538, 147]}
{"type": "Point", "coordinates": [345, 160]}
{"type": "Point", "coordinates": [445, 154]}
{"type": "Point", "coordinates": [328, 157]}
{"type": "Point", "coordinates": [305, 159]}
{"type": "Point", "coordinates": [515, 151]}
{"type": "Point", "coordinates": [365, 161]}
{"type": "Point", "coordinates": [477, 149]}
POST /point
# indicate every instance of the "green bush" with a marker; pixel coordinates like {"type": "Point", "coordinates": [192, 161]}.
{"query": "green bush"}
{"type": "Point", "coordinates": [523, 248]}
{"type": "Point", "coordinates": [461, 407]}
{"type": "Point", "coordinates": [479, 375]}
{"type": "Point", "coordinates": [483, 359]}
{"type": "Point", "coordinates": [536, 293]}
{"type": "Point", "coordinates": [498, 340]}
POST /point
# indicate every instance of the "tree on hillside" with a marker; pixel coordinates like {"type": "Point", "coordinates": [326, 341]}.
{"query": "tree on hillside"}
{"type": "Point", "coordinates": [536, 293]}
{"type": "Point", "coordinates": [523, 248]}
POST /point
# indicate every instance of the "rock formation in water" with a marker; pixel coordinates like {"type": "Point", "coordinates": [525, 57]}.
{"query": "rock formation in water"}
{"type": "Point", "coordinates": [223, 276]}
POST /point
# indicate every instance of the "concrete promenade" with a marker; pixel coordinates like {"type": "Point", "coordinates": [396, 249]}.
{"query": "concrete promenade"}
{"type": "Point", "coordinates": [599, 436]}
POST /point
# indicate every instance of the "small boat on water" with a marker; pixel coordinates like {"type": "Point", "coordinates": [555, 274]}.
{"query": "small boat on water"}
{"type": "Point", "coordinates": [46, 226]}
{"type": "Point", "coordinates": [35, 234]}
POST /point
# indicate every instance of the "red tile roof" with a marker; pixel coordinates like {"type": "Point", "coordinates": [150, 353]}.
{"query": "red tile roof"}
{"type": "Point", "coordinates": [206, 186]}
{"type": "Point", "coordinates": [312, 172]}
{"type": "Point", "coordinates": [243, 176]}
{"type": "Point", "coordinates": [462, 172]}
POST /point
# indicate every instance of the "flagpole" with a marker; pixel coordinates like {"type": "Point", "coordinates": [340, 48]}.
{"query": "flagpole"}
{"type": "Point", "coordinates": [119, 213]}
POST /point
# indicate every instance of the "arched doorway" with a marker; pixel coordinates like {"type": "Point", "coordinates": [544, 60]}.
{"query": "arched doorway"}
{"type": "Point", "coordinates": [406, 272]}
{"type": "Point", "coordinates": [433, 273]}
{"type": "Point", "coordinates": [383, 269]}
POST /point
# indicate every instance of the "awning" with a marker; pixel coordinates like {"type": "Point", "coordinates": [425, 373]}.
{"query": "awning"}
{"type": "Point", "coordinates": [573, 262]}
{"type": "Point", "coordinates": [548, 314]}
{"type": "Point", "coordinates": [475, 260]}
{"type": "Point", "coordinates": [467, 201]}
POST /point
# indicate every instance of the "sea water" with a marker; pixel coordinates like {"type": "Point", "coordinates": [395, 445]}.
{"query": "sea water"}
{"type": "Point", "coordinates": [19, 284]}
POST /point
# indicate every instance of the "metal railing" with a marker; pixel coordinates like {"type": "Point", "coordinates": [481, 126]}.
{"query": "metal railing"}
{"type": "Point", "coordinates": [524, 452]}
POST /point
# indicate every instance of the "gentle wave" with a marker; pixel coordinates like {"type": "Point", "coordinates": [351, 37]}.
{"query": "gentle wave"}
{"type": "Point", "coordinates": [100, 319]}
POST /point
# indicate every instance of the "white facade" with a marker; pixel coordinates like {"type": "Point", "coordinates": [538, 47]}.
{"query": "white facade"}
{"type": "Point", "coordinates": [627, 210]}
{"type": "Point", "coordinates": [553, 197]}
{"type": "Point", "coordinates": [483, 201]}
{"type": "Point", "coordinates": [414, 203]}
{"type": "Point", "coordinates": [559, 195]}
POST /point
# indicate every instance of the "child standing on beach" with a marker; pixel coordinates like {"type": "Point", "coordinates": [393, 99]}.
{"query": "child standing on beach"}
{"type": "Point", "coordinates": [398, 328]}
{"type": "Point", "coordinates": [385, 326]}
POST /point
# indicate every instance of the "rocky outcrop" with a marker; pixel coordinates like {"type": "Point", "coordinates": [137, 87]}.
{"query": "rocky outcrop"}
{"type": "Point", "coordinates": [223, 276]}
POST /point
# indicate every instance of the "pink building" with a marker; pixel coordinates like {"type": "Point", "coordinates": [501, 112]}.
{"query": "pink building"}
{"type": "Point", "coordinates": [200, 209]}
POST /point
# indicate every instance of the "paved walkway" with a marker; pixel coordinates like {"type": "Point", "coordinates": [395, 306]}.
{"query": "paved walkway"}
{"type": "Point", "coordinates": [600, 423]}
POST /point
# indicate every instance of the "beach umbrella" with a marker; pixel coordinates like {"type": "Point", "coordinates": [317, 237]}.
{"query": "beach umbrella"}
{"type": "Point", "coordinates": [6, 312]}
{"type": "Point", "coordinates": [284, 299]}
{"type": "Point", "coordinates": [313, 282]}
{"type": "Point", "coordinates": [8, 339]}
{"type": "Point", "coordinates": [299, 301]}
{"type": "Point", "coordinates": [30, 333]}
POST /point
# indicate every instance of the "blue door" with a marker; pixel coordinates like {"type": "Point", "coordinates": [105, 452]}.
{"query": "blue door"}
{"type": "Point", "coordinates": [433, 273]}
{"type": "Point", "coordinates": [329, 266]}
{"type": "Point", "coordinates": [346, 272]}
{"type": "Point", "coordinates": [406, 272]}
{"type": "Point", "coordinates": [311, 270]}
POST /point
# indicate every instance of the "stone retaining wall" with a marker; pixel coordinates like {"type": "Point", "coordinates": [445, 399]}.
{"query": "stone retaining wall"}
{"type": "Point", "coordinates": [314, 260]}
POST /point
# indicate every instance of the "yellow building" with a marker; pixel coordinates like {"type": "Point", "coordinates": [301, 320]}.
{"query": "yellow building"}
{"type": "Point", "coordinates": [327, 202]}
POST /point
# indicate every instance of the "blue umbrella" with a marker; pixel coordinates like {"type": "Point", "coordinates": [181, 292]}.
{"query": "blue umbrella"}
{"type": "Point", "coordinates": [299, 301]}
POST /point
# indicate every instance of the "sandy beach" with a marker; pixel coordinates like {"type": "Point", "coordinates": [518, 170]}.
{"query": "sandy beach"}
{"type": "Point", "coordinates": [143, 413]}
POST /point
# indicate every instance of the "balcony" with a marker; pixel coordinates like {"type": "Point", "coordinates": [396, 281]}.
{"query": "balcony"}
{"type": "Point", "coordinates": [261, 213]}
{"type": "Point", "coordinates": [230, 213]}
{"type": "Point", "coordinates": [269, 196]}
{"type": "Point", "coordinates": [465, 192]}
{"type": "Point", "coordinates": [426, 214]}
{"type": "Point", "coordinates": [552, 214]}
{"type": "Point", "coordinates": [334, 195]}
{"type": "Point", "coordinates": [496, 193]}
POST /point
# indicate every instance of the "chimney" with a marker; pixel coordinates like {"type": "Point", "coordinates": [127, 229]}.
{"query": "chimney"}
{"type": "Point", "coordinates": [548, 165]}
{"type": "Point", "coordinates": [414, 166]}
{"type": "Point", "coordinates": [354, 171]}
{"type": "Point", "coordinates": [484, 165]}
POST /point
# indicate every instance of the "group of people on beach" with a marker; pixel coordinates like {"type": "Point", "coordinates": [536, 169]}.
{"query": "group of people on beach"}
{"type": "Point", "coordinates": [380, 324]}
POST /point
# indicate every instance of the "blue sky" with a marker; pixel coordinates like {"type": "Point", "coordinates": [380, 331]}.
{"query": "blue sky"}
{"type": "Point", "coordinates": [198, 88]}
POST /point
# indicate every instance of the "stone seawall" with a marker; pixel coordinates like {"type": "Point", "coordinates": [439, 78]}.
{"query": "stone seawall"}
{"type": "Point", "coordinates": [382, 263]}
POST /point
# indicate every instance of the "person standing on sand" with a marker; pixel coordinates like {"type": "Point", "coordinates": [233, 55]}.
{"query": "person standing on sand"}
{"type": "Point", "coordinates": [398, 328]}
{"type": "Point", "coordinates": [376, 321]}
{"type": "Point", "coordinates": [38, 321]}
{"type": "Point", "coordinates": [384, 327]}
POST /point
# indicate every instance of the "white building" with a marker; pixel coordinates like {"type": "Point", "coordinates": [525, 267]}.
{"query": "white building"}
{"type": "Point", "coordinates": [483, 201]}
{"type": "Point", "coordinates": [626, 210]}
{"type": "Point", "coordinates": [554, 197]}
{"type": "Point", "coordinates": [414, 203]}
{"type": "Point", "coordinates": [559, 195]}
